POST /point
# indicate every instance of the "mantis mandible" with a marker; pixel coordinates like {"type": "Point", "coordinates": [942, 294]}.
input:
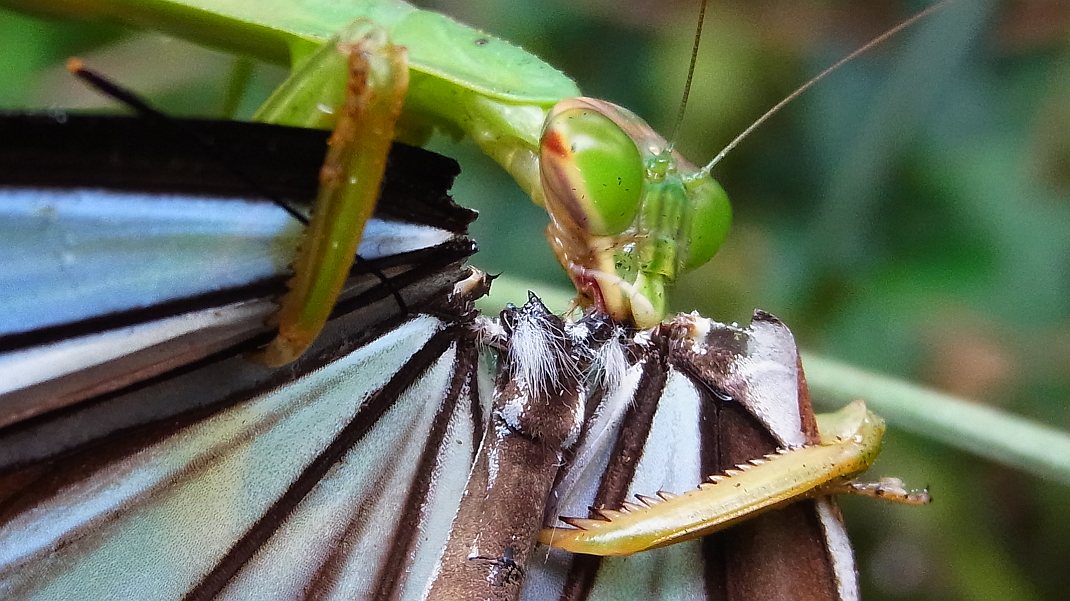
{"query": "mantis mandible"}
{"type": "Point", "coordinates": [628, 213]}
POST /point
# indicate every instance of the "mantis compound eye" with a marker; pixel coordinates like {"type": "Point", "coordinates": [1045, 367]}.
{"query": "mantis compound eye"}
{"type": "Point", "coordinates": [710, 215]}
{"type": "Point", "coordinates": [592, 171]}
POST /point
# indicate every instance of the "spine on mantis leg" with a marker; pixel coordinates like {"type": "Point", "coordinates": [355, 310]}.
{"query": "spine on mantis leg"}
{"type": "Point", "coordinates": [848, 447]}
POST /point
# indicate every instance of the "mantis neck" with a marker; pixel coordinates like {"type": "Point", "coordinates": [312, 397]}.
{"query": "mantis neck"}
{"type": "Point", "coordinates": [507, 132]}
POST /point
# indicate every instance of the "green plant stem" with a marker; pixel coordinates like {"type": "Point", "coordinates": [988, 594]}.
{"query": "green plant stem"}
{"type": "Point", "coordinates": [969, 426]}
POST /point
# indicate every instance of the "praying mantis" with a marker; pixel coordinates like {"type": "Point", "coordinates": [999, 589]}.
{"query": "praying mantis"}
{"type": "Point", "coordinates": [628, 213]}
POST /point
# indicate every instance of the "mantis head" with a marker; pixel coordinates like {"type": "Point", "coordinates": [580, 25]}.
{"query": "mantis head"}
{"type": "Point", "coordinates": [628, 214]}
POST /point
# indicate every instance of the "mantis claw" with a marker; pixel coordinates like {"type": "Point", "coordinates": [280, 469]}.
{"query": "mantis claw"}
{"type": "Point", "coordinates": [886, 489]}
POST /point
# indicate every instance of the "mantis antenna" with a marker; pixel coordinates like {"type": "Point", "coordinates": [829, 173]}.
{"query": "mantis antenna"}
{"type": "Point", "coordinates": [690, 73]}
{"type": "Point", "coordinates": [877, 41]}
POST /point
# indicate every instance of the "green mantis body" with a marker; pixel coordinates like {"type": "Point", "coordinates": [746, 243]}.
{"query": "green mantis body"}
{"type": "Point", "coordinates": [628, 213]}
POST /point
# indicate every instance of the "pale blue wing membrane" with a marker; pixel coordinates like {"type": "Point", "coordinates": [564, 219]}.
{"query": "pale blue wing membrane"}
{"type": "Point", "coordinates": [67, 251]}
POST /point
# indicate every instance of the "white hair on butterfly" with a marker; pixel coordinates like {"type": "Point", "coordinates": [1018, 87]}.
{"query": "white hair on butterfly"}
{"type": "Point", "coordinates": [539, 351]}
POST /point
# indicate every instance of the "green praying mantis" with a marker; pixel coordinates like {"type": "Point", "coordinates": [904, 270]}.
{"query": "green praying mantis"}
{"type": "Point", "coordinates": [628, 214]}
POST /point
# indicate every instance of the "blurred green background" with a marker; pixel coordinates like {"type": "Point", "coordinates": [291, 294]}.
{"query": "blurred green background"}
{"type": "Point", "coordinates": [910, 215]}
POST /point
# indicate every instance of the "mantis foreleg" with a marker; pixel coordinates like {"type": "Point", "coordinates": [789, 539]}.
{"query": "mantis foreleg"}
{"type": "Point", "coordinates": [850, 442]}
{"type": "Point", "coordinates": [371, 96]}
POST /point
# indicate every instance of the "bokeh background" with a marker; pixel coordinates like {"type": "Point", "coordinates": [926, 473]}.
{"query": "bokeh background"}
{"type": "Point", "coordinates": [910, 215]}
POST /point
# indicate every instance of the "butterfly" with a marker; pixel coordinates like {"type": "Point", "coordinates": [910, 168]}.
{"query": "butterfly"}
{"type": "Point", "coordinates": [142, 455]}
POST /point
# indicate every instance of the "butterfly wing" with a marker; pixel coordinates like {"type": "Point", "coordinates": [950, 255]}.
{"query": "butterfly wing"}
{"type": "Point", "coordinates": [142, 455]}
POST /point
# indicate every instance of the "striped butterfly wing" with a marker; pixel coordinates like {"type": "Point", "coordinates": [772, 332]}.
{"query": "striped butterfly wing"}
{"type": "Point", "coordinates": [145, 460]}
